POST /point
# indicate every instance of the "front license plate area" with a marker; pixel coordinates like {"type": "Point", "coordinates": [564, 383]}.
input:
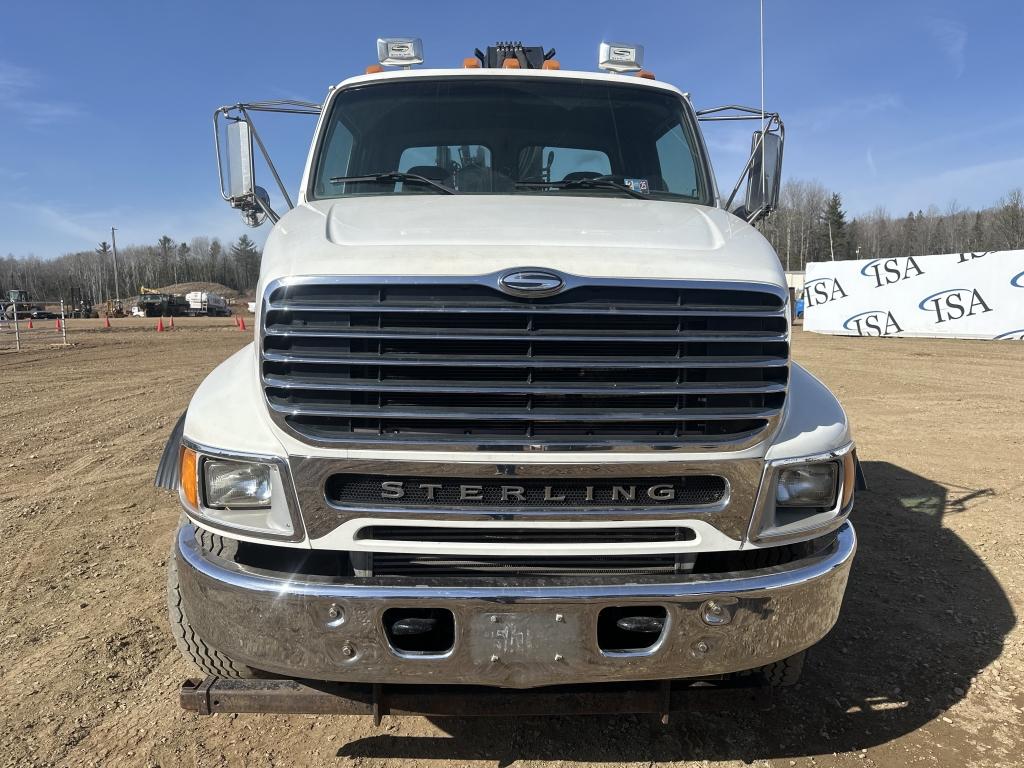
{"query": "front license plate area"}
{"type": "Point", "coordinates": [515, 637]}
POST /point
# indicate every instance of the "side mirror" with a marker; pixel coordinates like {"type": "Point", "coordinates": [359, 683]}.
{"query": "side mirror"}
{"type": "Point", "coordinates": [240, 171]}
{"type": "Point", "coordinates": [765, 174]}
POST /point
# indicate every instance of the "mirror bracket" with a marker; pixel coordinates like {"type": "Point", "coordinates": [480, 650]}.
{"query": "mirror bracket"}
{"type": "Point", "coordinates": [253, 201]}
{"type": "Point", "coordinates": [772, 127]}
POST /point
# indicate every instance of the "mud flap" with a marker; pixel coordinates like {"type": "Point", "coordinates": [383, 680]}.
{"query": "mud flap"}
{"type": "Point", "coordinates": [169, 469]}
{"type": "Point", "coordinates": [862, 481]}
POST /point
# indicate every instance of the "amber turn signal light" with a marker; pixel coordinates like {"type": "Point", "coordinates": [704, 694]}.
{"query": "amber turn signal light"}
{"type": "Point", "coordinates": [849, 477]}
{"type": "Point", "coordinates": [471, 62]}
{"type": "Point", "coordinates": [189, 480]}
{"type": "Point", "coordinates": [374, 69]}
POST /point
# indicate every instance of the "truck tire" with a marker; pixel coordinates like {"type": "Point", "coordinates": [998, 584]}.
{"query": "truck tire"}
{"type": "Point", "coordinates": [784, 673]}
{"type": "Point", "coordinates": [192, 646]}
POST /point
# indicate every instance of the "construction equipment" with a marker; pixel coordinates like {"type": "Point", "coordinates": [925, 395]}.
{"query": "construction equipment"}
{"type": "Point", "coordinates": [155, 303]}
{"type": "Point", "coordinates": [115, 308]}
{"type": "Point", "coordinates": [19, 303]}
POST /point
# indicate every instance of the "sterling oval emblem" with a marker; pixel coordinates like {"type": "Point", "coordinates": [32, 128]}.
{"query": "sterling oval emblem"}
{"type": "Point", "coordinates": [531, 282]}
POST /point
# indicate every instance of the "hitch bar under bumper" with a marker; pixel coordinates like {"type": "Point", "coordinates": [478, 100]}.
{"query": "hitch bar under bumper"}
{"type": "Point", "coordinates": [518, 636]}
{"type": "Point", "coordinates": [216, 695]}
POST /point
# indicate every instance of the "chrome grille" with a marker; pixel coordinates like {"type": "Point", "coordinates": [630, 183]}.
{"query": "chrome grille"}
{"type": "Point", "coordinates": [455, 362]}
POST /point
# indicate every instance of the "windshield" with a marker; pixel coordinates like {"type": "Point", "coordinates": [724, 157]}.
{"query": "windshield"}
{"type": "Point", "coordinates": [503, 135]}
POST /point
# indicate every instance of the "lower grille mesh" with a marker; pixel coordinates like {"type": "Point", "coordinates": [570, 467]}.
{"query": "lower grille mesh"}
{"type": "Point", "coordinates": [387, 564]}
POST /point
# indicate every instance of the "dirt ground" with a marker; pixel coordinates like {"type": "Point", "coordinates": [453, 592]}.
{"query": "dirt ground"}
{"type": "Point", "coordinates": [925, 668]}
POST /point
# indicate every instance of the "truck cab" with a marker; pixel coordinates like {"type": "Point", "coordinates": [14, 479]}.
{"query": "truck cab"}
{"type": "Point", "coordinates": [520, 409]}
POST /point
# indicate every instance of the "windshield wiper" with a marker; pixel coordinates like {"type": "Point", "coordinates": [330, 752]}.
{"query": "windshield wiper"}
{"type": "Point", "coordinates": [401, 176]}
{"type": "Point", "coordinates": [597, 182]}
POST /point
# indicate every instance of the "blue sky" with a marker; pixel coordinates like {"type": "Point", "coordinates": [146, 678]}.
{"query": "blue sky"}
{"type": "Point", "coordinates": [105, 106]}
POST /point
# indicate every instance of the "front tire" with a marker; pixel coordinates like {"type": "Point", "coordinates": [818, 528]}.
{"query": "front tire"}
{"type": "Point", "coordinates": [783, 673]}
{"type": "Point", "coordinates": [196, 650]}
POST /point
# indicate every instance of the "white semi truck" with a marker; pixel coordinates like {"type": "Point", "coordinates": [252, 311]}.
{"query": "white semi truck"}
{"type": "Point", "coordinates": [520, 410]}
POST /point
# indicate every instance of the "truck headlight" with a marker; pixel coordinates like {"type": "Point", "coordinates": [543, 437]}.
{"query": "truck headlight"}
{"type": "Point", "coordinates": [238, 495]}
{"type": "Point", "coordinates": [237, 484]}
{"type": "Point", "coordinates": [807, 485]}
{"type": "Point", "coordinates": [804, 496]}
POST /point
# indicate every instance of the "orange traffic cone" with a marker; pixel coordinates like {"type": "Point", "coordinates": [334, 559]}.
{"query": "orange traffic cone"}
{"type": "Point", "coordinates": [241, 323]}
{"type": "Point", "coordinates": [56, 324]}
{"type": "Point", "coordinates": [106, 321]}
{"type": "Point", "coordinates": [160, 325]}
{"type": "Point", "coordinates": [30, 323]}
{"type": "Point", "coordinates": [172, 321]}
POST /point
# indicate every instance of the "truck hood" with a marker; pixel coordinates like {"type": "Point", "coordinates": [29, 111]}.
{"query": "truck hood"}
{"type": "Point", "coordinates": [477, 234]}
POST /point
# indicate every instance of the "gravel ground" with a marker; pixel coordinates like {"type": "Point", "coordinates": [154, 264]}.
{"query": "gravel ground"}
{"type": "Point", "coordinates": [926, 665]}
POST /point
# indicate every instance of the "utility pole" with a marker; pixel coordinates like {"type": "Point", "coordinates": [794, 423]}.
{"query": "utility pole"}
{"type": "Point", "coordinates": [830, 250]}
{"type": "Point", "coordinates": [117, 287]}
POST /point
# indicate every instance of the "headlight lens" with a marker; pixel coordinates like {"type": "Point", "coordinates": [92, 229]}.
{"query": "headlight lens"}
{"type": "Point", "coordinates": [237, 484]}
{"type": "Point", "coordinates": [807, 485]}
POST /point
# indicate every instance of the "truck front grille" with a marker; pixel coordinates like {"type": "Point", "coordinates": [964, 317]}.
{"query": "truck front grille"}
{"type": "Point", "coordinates": [459, 364]}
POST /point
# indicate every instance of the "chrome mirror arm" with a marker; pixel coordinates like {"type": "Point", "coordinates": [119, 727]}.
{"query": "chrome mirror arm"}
{"type": "Point", "coordinates": [253, 204]}
{"type": "Point", "coordinates": [771, 122]}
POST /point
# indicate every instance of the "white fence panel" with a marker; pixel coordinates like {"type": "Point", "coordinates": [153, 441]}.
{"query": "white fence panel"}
{"type": "Point", "coordinates": [955, 295]}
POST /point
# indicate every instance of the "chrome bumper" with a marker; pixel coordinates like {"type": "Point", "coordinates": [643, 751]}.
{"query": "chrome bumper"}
{"type": "Point", "coordinates": [513, 637]}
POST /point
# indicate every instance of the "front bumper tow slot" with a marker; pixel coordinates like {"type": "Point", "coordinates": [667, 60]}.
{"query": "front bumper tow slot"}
{"type": "Point", "coordinates": [216, 695]}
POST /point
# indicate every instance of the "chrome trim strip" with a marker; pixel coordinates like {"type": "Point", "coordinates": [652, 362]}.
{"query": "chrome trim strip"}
{"type": "Point", "coordinates": [537, 414]}
{"type": "Point", "coordinates": [518, 388]}
{"type": "Point", "coordinates": [526, 309]}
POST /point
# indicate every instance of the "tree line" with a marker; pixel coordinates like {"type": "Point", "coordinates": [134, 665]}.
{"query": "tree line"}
{"type": "Point", "coordinates": [89, 275]}
{"type": "Point", "coordinates": [811, 225]}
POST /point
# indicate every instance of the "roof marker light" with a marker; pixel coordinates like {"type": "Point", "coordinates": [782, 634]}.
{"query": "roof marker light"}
{"type": "Point", "coordinates": [621, 57]}
{"type": "Point", "coordinates": [399, 51]}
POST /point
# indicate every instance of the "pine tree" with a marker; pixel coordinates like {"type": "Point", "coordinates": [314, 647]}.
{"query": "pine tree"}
{"type": "Point", "coordinates": [216, 254]}
{"type": "Point", "coordinates": [166, 246]}
{"type": "Point", "coordinates": [247, 262]}
{"type": "Point", "coordinates": [977, 233]}
{"type": "Point", "coordinates": [181, 265]}
{"type": "Point", "coordinates": [833, 225]}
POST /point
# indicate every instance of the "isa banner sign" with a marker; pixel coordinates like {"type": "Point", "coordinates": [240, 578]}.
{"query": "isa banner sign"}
{"type": "Point", "coordinates": [955, 295]}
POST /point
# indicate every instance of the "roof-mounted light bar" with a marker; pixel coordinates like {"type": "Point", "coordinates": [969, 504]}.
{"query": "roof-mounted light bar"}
{"type": "Point", "coordinates": [621, 57]}
{"type": "Point", "coordinates": [399, 51]}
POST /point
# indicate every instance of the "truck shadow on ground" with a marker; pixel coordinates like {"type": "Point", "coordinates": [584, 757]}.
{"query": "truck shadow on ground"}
{"type": "Point", "coordinates": [922, 616]}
